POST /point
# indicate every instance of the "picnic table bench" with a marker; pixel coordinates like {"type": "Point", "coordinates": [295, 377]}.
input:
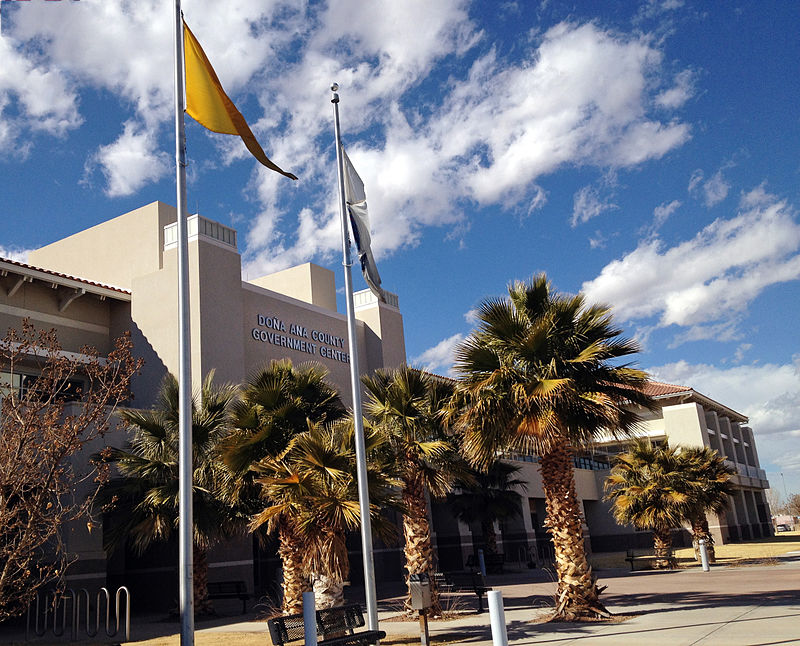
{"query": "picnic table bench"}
{"type": "Point", "coordinates": [647, 559]}
{"type": "Point", "coordinates": [335, 627]}
{"type": "Point", "coordinates": [229, 590]}
{"type": "Point", "coordinates": [463, 581]}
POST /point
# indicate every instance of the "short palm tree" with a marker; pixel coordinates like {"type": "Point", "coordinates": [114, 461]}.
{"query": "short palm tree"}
{"type": "Point", "coordinates": [541, 374]}
{"type": "Point", "coordinates": [145, 494]}
{"type": "Point", "coordinates": [648, 488]}
{"type": "Point", "coordinates": [488, 497]}
{"type": "Point", "coordinates": [407, 406]}
{"type": "Point", "coordinates": [711, 489]}
{"type": "Point", "coordinates": [276, 404]}
{"type": "Point", "coordinates": [313, 491]}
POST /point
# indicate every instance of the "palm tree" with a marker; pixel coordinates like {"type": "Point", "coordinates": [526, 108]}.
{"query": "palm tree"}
{"type": "Point", "coordinates": [276, 404]}
{"type": "Point", "coordinates": [145, 495]}
{"type": "Point", "coordinates": [313, 490]}
{"type": "Point", "coordinates": [541, 374]}
{"type": "Point", "coordinates": [648, 487]}
{"type": "Point", "coordinates": [711, 489]}
{"type": "Point", "coordinates": [407, 407]}
{"type": "Point", "coordinates": [487, 498]}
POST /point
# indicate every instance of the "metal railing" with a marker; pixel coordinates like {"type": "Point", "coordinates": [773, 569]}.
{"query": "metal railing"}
{"type": "Point", "coordinates": [52, 612]}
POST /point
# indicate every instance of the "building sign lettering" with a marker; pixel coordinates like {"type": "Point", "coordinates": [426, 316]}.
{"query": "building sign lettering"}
{"type": "Point", "coordinates": [273, 330]}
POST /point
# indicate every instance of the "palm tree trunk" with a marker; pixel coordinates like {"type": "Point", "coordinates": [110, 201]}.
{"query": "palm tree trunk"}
{"type": "Point", "coordinates": [700, 531]}
{"type": "Point", "coordinates": [328, 591]}
{"type": "Point", "coordinates": [417, 533]}
{"type": "Point", "coordinates": [294, 583]}
{"type": "Point", "coordinates": [578, 595]}
{"type": "Point", "coordinates": [662, 548]}
{"type": "Point", "coordinates": [489, 537]}
{"type": "Point", "coordinates": [202, 604]}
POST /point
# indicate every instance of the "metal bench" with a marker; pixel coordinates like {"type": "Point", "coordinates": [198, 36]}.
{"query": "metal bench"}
{"type": "Point", "coordinates": [647, 559]}
{"type": "Point", "coordinates": [229, 590]}
{"type": "Point", "coordinates": [335, 627]}
{"type": "Point", "coordinates": [466, 581]}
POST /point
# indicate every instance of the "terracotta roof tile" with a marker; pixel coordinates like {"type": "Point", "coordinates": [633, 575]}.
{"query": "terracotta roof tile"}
{"type": "Point", "coordinates": [658, 388]}
{"type": "Point", "coordinates": [67, 276]}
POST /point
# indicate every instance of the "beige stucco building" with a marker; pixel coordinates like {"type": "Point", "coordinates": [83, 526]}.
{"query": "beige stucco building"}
{"type": "Point", "coordinates": [684, 417]}
{"type": "Point", "coordinates": [122, 275]}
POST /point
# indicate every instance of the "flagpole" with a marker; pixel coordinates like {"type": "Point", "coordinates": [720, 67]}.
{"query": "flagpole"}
{"type": "Point", "coordinates": [355, 382]}
{"type": "Point", "coordinates": [185, 565]}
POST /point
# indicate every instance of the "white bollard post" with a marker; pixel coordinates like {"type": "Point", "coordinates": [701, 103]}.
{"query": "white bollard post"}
{"type": "Point", "coordinates": [310, 618]}
{"type": "Point", "coordinates": [497, 617]}
{"type": "Point", "coordinates": [481, 562]}
{"type": "Point", "coordinates": [704, 555]}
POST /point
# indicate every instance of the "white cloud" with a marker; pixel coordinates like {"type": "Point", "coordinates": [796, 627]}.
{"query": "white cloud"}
{"type": "Point", "coordinates": [127, 50]}
{"type": "Point", "coordinates": [131, 162]}
{"type": "Point", "coordinates": [34, 97]}
{"type": "Point", "coordinates": [598, 240]}
{"type": "Point", "coordinates": [587, 204]}
{"type": "Point", "coordinates": [579, 95]}
{"type": "Point", "coordinates": [741, 351]}
{"type": "Point", "coordinates": [712, 191]}
{"type": "Point", "coordinates": [440, 358]}
{"type": "Point", "coordinates": [14, 253]}
{"type": "Point", "coordinates": [661, 214]}
{"type": "Point", "coordinates": [710, 279]}
{"type": "Point", "coordinates": [768, 394]}
{"type": "Point", "coordinates": [678, 94]}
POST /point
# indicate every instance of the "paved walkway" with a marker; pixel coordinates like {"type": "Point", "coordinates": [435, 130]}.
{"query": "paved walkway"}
{"type": "Point", "coordinates": [729, 606]}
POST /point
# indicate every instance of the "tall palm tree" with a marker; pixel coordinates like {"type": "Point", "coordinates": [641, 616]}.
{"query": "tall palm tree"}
{"type": "Point", "coordinates": [145, 494]}
{"type": "Point", "coordinates": [541, 374]}
{"type": "Point", "coordinates": [313, 490]}
{"type": "Point", "coordinates": [711, 489]}
{"type": "Point", "coordinates": [487, 498]}
{"type": "Point", "coordinates": [648, 487]}
{"type": "Point", "coordinates": [407, 406]}
{"type": "Point", "coordinates": [276, 404]}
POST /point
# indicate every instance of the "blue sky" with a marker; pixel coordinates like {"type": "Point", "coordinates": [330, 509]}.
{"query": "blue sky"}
{"type": "Point", "coordinates": [644, 153]}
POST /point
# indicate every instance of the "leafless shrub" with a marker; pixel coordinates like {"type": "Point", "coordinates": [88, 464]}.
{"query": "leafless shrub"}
{"type": "Point", "coordinates": [54, 403]}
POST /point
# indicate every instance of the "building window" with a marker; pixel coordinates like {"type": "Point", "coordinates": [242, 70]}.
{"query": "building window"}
{"type": "Point", "coordinates": [22, 385]}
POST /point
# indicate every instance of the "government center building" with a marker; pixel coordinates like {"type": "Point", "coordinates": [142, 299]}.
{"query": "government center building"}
{"type": "Point", "coordinates": [121, 276]}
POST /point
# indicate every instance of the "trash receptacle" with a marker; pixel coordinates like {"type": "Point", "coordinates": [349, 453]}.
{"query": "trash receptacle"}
{"type": "Point", "coordinates": [420, 585]}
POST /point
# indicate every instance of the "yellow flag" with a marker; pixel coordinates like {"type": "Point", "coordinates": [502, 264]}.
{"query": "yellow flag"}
{"type": "Point", "coordinates": [207, 103]}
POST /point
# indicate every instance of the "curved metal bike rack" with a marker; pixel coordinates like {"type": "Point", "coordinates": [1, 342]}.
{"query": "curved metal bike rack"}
{"type": "Point", "coordinates": [55, 606]}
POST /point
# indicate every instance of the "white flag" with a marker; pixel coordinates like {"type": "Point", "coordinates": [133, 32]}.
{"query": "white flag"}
{"type": "Point", "coordinates": [356, 200]}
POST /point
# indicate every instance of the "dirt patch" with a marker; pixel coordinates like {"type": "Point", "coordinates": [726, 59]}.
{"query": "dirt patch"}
{"type": "Point", "coordinates": [752, 562]}
{"type": "Point", "coordinates": [613, 619]}
{"type": "Point", "coordinates": [441, 638]}
{"type": "Point", "coordinates": [447, 616]}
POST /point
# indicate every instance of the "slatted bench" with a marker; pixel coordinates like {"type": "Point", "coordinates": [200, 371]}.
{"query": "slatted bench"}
{"type": "Point", "coordinates": [465, 582]}
{"type": "Point", "coordinates": [647, 560]}
{"type": "Point", "coordinates": [335, 627]}
{"type": "Point", "coordinates": [229, 590]}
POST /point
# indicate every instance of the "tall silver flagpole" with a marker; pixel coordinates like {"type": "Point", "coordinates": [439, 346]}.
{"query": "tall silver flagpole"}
{"type": "Point", "coordinates": [355, 382]}
{"type": "Point", "coordinates": [184, 358]}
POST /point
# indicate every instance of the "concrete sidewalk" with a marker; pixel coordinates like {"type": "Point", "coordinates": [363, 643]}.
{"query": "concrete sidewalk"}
{"type": "Point", "coordinates": [730, 606]}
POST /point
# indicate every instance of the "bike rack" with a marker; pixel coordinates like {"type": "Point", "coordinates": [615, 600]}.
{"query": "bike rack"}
{"type": "Point", "coordinates": [55, 606]}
